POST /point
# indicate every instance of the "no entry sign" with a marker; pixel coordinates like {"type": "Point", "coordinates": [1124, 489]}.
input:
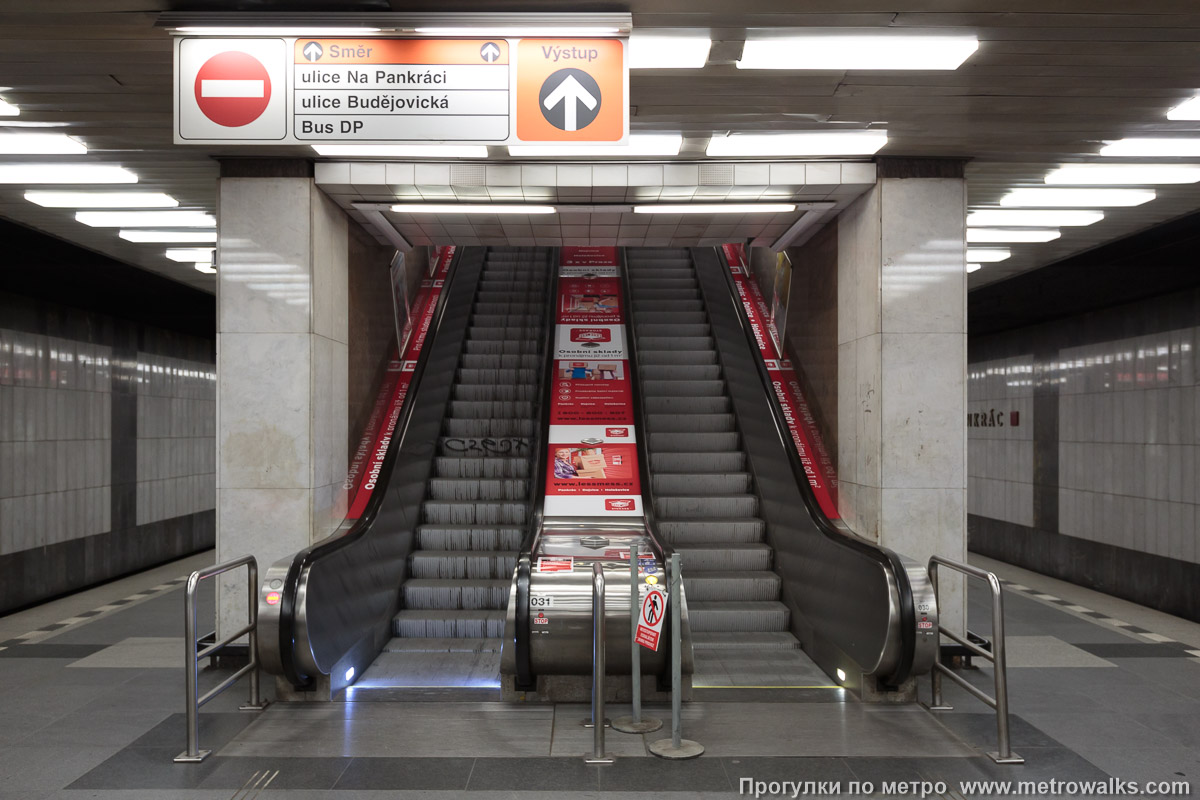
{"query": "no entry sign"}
{"type": "Point", "coordinates": [231, 90]}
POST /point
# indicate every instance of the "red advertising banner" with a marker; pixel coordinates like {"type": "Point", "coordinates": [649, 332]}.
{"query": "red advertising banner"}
{"type": "Point", "coordinates": [595, 301]}
{"type": "Point", "coordinates": [591, 392]}
{"type": "Point", "coordinates": [818, 466]}
{"type": "Point", "coordinates": [368, 459]}
{"type": "Point", "coordinates": [587, 257]}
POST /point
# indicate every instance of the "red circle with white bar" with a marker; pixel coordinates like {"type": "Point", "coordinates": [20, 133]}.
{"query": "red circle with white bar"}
{"type": "Point", "coordinates": [233, 89]}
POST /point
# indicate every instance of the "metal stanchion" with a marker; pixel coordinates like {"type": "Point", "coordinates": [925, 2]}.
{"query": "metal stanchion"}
{"type": "Point", "coordinates": [635, 723]}
{"type": "Point", "coordinates": [598, 755]}
{"type": "Point", "coordinates": [676, 747]}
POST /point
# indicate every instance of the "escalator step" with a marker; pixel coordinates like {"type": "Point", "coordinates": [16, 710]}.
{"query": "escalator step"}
{"type": "Point", "coordinates": [472, 489]}
{"type": "Point", "coordinates": [694, 442]}
{"type": "Point", "coordinates": [502, 334]}
{"type": "Point", "coordinates": [472, 361]}
{"type": "Point", "coordinates": [717, 483]}
{"type": "Point", "coordinates": [469, 537]}
{"type": "Point", "coordinates": [491, 377]}
{"type": "Point", "coordinates": [686, 405]}
{"type": "Point", "coordinates": [667, 306]}
{"type": "Point", "coordinates": [651, 358]}
{"type": "Point", "coordinates": [680, 372]}
{"type": "Point", "coordinates": [510, 392]}
{"type": "Point", "coordinates": [508, 308]}
{"type": "Point", "coordinates": [673, 343]}
{"type": "Point", "coordinates": [473, 624]}
{"type": "Point", "coordinates": [731, 585]}
{"type": "Point", "coordinates": [510, 346]}
{"type": "Point", "coordinates": [689, 423]}
{"type": "Point", "coordinates": [671, 317]}
{"type": "Point", "coordinates": [483, 447]}
{"type": "Point", "coordinates": [724, 615]}
{"type": "Point", "coordinates": [651, 388]}
{"type": "Point", "coordinates": [479, 321]}
{"type": "Point", "coordinates": [481, 564]}
{"type": "Point", "coordinates": [488, 427]}
{"type": "Point", "coordinates": [712, 531]}
{"type": "Point", "coordinates": [481, 467]}
{"type": "Point", "coordinates": [661, 280]}
{"type": "Point", "coordinates": [677, 293]}
{"type": "Point", "coordinates": [440, 512]}
{"type": "Point", "coordinates": [444, 646]}
{"type": "Point", "coordinates": [486, 409]}
{"type": "Point", "coordinates": [724, 556]}
{"type": "Point", "coordinates": [747, 640]}
{"type": "Point", "coordinates": [705, 506]}
{"type": "Point", "coordinates": [444, 595]}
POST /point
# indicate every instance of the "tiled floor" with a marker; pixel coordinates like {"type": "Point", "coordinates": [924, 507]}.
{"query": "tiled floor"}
{"type": "Point", "coordinates": [90, 707]}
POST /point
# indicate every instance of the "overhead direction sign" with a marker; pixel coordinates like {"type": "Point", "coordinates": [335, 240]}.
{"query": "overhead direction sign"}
{"type": "Point", "coordinates": [497, 91]}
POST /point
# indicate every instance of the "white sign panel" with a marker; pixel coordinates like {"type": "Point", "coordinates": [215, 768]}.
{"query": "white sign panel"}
{"type": "Point", "coordinates": [231, 89]}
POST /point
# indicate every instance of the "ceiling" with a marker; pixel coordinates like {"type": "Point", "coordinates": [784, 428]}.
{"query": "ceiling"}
{"type": "Point", "coordinates": [1047, 86]}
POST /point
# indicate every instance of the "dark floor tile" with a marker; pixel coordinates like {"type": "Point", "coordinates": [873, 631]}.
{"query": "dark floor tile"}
{"type": "Point", "coordinates": [979, 730]}
{"type": "Point", "coordinates": [1182, 728]}
{"type": "Point", "coordinates": [787, 769]}
{"type": "Point", "coordinates": [878, 770]}
{"type": "Point", "coordinates": [1135, 650]}
{"type": "Point", "coordinates": [294, 773]}
{"type": "Point", "coordinates": [69, 651]}
{"type": "Point", "coordinates": [660, 775]}
{"type": "Point", "coordinates": [216, 730]}
{"type": "Point", "coordinates": [406, 773]}
{"type": "Point", "coordinates": [146, 768]}
{"type": "Point", "coordinates": [535, 774]}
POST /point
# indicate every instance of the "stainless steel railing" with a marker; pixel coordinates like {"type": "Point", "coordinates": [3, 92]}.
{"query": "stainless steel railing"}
{"type": "Point", "coordinates": [1003, 753]}
{"type": "Point", "coordinates": [598, 755]}
{"type": "Point", "coordinates": [192, 656]}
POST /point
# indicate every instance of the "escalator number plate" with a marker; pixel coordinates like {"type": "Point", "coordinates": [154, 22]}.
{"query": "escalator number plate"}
{"type": "Point", "coordinates": [541, 601]}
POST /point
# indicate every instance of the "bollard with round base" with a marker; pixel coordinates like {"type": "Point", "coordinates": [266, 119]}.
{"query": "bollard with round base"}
{"type": "Point", "coordinates": [628, 724]}
{"type": "Point", "coordinates": [667, 748]}
{"type": "Point", "coordinates": [635, 723]}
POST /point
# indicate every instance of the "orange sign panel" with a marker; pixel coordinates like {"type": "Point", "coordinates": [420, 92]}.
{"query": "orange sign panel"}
{"type": "Point", "coordinates": [401, 51]}
{"type": "Point", "coordinates": [571, 90]}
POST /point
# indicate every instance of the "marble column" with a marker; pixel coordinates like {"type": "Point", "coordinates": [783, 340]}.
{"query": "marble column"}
{"type": "Point", "coordinates": [282, 332]}
{"type": "Point", "coordinates": [902, 344]}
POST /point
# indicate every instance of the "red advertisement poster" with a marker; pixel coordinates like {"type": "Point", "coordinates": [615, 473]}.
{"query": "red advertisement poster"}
{"type": "Point", "coordinates": [592, 471]}
{"type": "Point", "coordinates": [588, 392]}
{"type": "Point", "coordinates": [588, 257]}
{"type": "Point", "coordinates": [589, 301]}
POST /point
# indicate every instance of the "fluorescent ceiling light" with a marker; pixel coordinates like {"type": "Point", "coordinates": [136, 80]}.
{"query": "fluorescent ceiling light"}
{"type": "Point", "coordinates": [64, 173]}
{"type": "Point", "coordinates": [647, 51]}
{"type": "Point", "coordinates": [206, 268]}
{"type": "Point", "coordinates": [1013, 218]}
{"type": "Point", "coordinates": [1152, 148]}
{"type": "Point", "coordinates": [102, 199]}
{"type": "Point", "coordinates": [169, 237]}
{"type": "Point", "coordinates": [999, 235]}
{"type": "Point", "coordinates": [718, 208]}
{"type": "Point", "coordinates": [817, 51]}
{"type": "Point", "coordinates": [974, 267]}
{"type": "Point", "coordinates": [40, 144]}
{"type": "Point", "coordinates": [1188, 109]}
{"type": "Point", "coordinates": [1123, 174]}
{"type": "Point", "coordinates": [981, 255]}
{"type": "Point", "coordinates": [404, 150]}
{"type": "Point", "coordinates": [641, 145]}
{"type": "Point", "coordinates": [250, 30]}
{"type": "Point", "coordinates": [492, 32]}
{"type": "Point", "coordinates": [192, 255]}
{"type": "Point", "coordinates": [8, 109]}
{"type": "Point", "coordinates": [453, 208]}
{"type": "Point", "coordinates": [843, 143]}
{"type": "Point", "coordinates": [146, 219]}
{"type": "Point", "coordinates": [1076, 198]}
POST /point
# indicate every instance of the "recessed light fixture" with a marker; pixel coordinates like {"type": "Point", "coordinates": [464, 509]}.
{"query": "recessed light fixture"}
{"type": "Point", "coordinates": [527, 31]}
{"type": "Point", "coordinates": [871, 51]}
{"type": "Point", "coordinates": [812, 143]}
{"type": "Point", "coordinates": [453, 208]}
{"type": "Point", "coordinates": [1147, 147]}
{"type": "Point", "coordinates": [640, 145]}
{"type": "Point", "coordinates": [1040, 218]}
{"type": "Point", "coordinates": [1076, 198]}
{"type": "Point", "coordinates": [1123, 174]}
{"type": "Point", "coordinates": [987, 255]}
{"type": "Point", "coordinates": [185, 255]}
{"type": "Point", "coordinates": [403, 150]}
{"type": "Point", "coordinates": [169, 237]}
{"type": "Point", "coordinates": [264, 30]}
{"type": "Point", "coordinates": [1001, 235]}
{"type": "Point", "coordinates": [974, 268]}
{"type": "Point", "coordinates": [718, 208]}
{"type": "Point", "coordinates": [1188, 109]}
{"type": "Point", "coordinates": [64, 173]}
{"type": "Point", "coordinates": [101, 199]}
{"type": "Point", "coordinates": [206, 267]}
{"type": "Point", "coordinates": [841, 674]}
{"type": "Point", "coordinates": [8, 109]}
{"type": "Point", "coordinates": [146, 219]}
{"type": "Point", "coordinates": [652, 51]}
{"type": "Point", "coordinates": [40, 144]}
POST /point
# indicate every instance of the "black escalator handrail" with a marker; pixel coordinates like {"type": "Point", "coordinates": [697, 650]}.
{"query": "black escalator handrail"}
{"type": "Point", "coordinates": [537, 488]}
{"type": "Point", "coordinates": [885, 557]}
{"type": "Point", "coordinates": [339, 541]}
{"type": "Point", "coordinates": [662, 549]}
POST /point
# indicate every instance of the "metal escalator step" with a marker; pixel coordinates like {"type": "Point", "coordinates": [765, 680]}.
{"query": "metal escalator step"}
{"type": "Point", "coordinates": [509, 295]}
{"type": "Point", "coordinates": [667, 306]}
{"type": "Point", "coordinates": [443, 646]}
{"type": "Point", "coordinates": [686, 405]}
{"type": "Point", "coordinates": [483, 447]}
{"type": "Point", "coordinates": [693, 442]}
{"type": "Point", "coordinates": [464, 564]}
{"type": "Point", "coordinates": [487, 409]}
{"type": "Point", "coordinates": [472, 624]}
{"type": "Point", "coordinates": [725, 556]}
{"type": "Point", "coordinates": [445, 467]}
{"type": "Point", "coordinates": [469, 537]}
{"type": "Point", "coordinates": [746, 640]}
{"type": "Point", "coordinates": [488, 427]}
{"type": "Point", "coordinates": [661, 279]}
{"type": "Point", "coordinates": [653, 388]}
{"type": "Point", "coordinates": [679, 293]}
{"type": "Point", "coordinates": [495, 376]}
{"type": "Point", "coordinates": [681, 372]}
{"type": "Point", "coordinates": [444, 595]}
{"type": "Point", "coordinates": [675, 343]}
{"type": "Point", "coordinates": [503, 334]}
{"type": "Point", "coordinates": [704, 506]}
{"type": "Point", "coordinates": [478, 489]}
{"type": "Point", "coordinates": [689, 461]}
{"type": "Point", "coordinates": [504, 320]}
{"type": "Point", "coordinates": [508, 308]}
{"type": "Point", "coordinates": [712, 531]}
{"type": "Point", "coordinates": [674, 329]}
{"type": "Point", "coordinates": [728, 615]}
{"type": "Point", "coordinates": [441, 512]}
{"type": "Point", "coordinates": [671, 317]}
{"type": "Point", "coordinates": [475, 361]}
{"type": "Point", "coordinates": [503, 347]}
{"type": "Point", "coordinates": [652, 358]}
{"type": "Point", "coordinates": [474, 392]}
{"type": "Point", "coordinates": [689, 423]}
{"type": "Point", "coordinates": [685, 483]}
{"type": "Point", "coordinates": [511, 282]}
{"type": "Point", "coordinates": [731, 585]}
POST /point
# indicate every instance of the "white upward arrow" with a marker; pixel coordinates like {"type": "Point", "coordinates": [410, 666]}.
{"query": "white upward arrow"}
{"type": "Point", "coordinates": [490, 52]}
{"type": "Point", "coordinates": [312, 51]}
{"type": "Point", "coordinates": [570, 92]}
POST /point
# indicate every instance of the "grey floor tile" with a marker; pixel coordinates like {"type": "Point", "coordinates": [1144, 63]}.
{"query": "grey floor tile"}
{"type": "Point", "coordinates": [534, 774]}
{"type": "Point", "coordinates": [406, 773]}
{"type": "Point", "coordinates": [1183, 729]}
{"type": "Point", "coordinates": [980, 730]}
{"type": "Point", "coordinates": [45, 767]}
{"type": "Point", "coordinates": [283, 773]}
{"type": "Point", "coordinates": [1147, 764]}
{"type": "Point", "coordinates": [216, 730]}
{"type": "Point", "coordinates": [111, 729]}
{"type": "Point", "coordinates": [1098, 728]}
{"type": "Point", "coordinates": [145, 768]}
{"type": "Point", "coordinates": [659, 775]}
{"type": "Point", "coordinates": [787, 769]}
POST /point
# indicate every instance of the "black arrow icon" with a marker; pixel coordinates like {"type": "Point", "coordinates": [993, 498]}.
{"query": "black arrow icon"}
{"type": "Point", "coordinates": [313, 51]}
{"type": "Point", "coordinates": [489, 52]}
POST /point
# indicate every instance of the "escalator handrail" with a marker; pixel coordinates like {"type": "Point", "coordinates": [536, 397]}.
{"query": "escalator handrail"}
{"type": "Point", "coordinates": [337, 541]}
{"type": "Point", "coordinates": [884, 556]}
{"type": "Point", "coordinates": [538, 485]}
{"type": "Point", "coordinates": [662, 548]}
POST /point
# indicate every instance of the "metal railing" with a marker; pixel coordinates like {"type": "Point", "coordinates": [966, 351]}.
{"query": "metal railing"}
{"type": "Point", "coordinates": [193, 656]}
{"type": "Point", "coordinates": [1004, 753]}
{"type": "Point", "coordinates": [598, 755]}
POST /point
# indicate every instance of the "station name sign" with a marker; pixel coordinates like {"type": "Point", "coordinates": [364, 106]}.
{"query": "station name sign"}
{"type": "Point", "coordinates": [492, 91]}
